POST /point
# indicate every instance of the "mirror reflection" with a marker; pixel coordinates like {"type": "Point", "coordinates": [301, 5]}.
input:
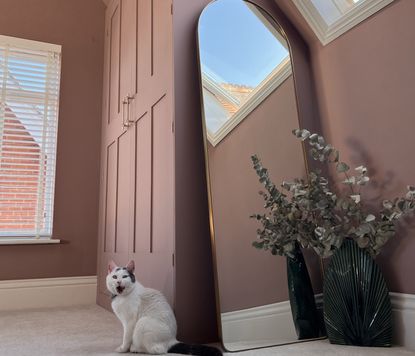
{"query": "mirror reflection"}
{"type": "Point", "coordinates": [243, 59]}
{"type": "Point", "coordinates": [249, 107]}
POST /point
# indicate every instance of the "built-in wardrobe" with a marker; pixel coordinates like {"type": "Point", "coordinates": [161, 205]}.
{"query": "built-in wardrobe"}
{"type": "Point", "coordinates": [137, 189]}
{"type": "Point", "coordinates": [138, 169]}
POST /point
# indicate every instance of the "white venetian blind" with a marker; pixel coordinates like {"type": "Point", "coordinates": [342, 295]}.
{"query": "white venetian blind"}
{"type": "Point", "coordinates": [29, 99]}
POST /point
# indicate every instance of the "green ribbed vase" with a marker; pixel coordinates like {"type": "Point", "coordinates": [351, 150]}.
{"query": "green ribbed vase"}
{"type": "Point", "coordinates": [357, 308]}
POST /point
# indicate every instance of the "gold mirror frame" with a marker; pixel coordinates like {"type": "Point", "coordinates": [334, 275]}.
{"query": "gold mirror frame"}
{"type": "Point", "coordinates": [279, 28]}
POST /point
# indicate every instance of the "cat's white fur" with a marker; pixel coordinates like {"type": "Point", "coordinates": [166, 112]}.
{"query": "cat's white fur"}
{"type": "Point", "coordinates": [147, 318]}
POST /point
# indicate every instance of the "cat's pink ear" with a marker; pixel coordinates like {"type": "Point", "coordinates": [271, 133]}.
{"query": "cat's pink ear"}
{"type": "Point", "coordinates": [131, 266]}
{"type": "Point", "coordinates": [111, 266]}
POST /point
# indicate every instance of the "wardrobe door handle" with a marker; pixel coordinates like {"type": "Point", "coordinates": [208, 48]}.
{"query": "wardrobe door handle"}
{"type": "Point", "coordinates": [124, 123]}
{"type": "Point", "coordinates": [129, 98]}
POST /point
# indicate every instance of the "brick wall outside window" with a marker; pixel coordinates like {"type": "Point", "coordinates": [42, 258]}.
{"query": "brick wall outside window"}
{"type": "Point", "coordinates": [18, 195]}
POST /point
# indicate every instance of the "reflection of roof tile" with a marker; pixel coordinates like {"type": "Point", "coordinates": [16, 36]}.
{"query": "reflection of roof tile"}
{"type": "Point", "coordinates": [241, 92]}
{"type": "Point", "coordinates": [229, 107]}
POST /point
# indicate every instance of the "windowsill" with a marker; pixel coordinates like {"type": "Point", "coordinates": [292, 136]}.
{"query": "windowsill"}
{"type": "Point", "coordinates": [28, 241]}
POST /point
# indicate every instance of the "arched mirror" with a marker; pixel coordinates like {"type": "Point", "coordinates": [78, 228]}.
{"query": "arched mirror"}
{"type": "Point", "coordinates": [249, 107]}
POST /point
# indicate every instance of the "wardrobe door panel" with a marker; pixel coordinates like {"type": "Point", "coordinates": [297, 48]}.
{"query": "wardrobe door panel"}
{"type": "Point", "coordinates": [124, 192]}
{"type": "Point", "coordinates": [116, 174]}
{"type": "Point", "coordinates": [128, 48]}
{"type": "Point", "coordinates": [143, 185]}
{"type": "Point", "coordinates": [162, 176]}
{"type": "Point", "coordinates": [110, 199]}
{"type": "Point", "coordinates": [154, 52]}
{"type": "Point", "coordinates": [161, 39]}
{"type": "Point", "coordinates": [114, 34]}
{"type": "Point", "coordinates": [154, 220]}
{"type": "Point", "coordinates": [144, 46]}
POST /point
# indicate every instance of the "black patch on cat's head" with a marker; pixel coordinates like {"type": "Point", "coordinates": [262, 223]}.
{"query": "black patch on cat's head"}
{"type": "Point", "coordinates": [131, 276]}
{"type": "Point", "coordinates": [117, 269]}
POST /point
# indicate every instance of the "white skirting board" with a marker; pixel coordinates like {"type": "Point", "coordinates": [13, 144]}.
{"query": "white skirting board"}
{"type": "Point", "coordinates": [262, 323]}
{"type": "Point", "coordinates": [403, 316]}
{"type": "Point", "coordinates": [47, 292]}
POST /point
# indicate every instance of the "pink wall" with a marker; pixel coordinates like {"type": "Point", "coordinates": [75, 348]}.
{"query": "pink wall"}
{"type": "Point", "coordinates": [365, 83]}
{"type": "Point", "coordinates": [194, 270]}
{"type": "Point", "coordinates": [77, 25]}
{"type": "Point", "coordinates": [249, 277]}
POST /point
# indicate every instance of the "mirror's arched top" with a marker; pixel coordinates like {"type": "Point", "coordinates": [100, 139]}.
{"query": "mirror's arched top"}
{"type": "Point", "coordinates": [243, 58]}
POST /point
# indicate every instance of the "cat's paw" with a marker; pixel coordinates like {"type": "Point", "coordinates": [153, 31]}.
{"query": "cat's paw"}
{"type": "Point", "coordinates": [122, 349]}
{"type": "Point", "coordinates": [135, 349]}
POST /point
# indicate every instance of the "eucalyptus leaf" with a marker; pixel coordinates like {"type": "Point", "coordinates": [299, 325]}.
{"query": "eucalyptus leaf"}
{"type": "Point", "coordinates": [258, 244]}
{"type": "Point", "coordinates": [361, 169]}
{"type": "Point", "coordinates": [342, 167]}
{"type": "Point", "coordinates": [387, 204]}
{"type": "Point", "coordinates": [313, 137]}
{"type": "Point", "coordinates": [363, 180]}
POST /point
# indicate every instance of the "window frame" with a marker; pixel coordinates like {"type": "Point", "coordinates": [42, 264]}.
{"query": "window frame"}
{"type": "Point", "coordinates": [23, 237]}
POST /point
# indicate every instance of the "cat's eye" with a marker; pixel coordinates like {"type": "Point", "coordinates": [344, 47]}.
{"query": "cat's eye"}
{"type": "Point", "coordinates": [124, 276]}
{"type": "Point", "coordinates": [114, 276]}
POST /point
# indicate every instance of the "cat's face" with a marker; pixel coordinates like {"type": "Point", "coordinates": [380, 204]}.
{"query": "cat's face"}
{"type": "Point", "coordinates": [120, 280]}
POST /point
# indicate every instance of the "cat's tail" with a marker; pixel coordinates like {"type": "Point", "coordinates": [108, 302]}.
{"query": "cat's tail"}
{"type": "Point", "coordinates": [199, 350]}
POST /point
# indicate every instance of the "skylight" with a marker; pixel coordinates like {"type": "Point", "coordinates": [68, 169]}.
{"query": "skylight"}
{"type": "Point", "coordinates": [331, 18]}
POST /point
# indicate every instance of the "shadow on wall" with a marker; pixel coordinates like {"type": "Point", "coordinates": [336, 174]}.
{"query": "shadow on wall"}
{"type": "Point", "coordinates": [383, 186]}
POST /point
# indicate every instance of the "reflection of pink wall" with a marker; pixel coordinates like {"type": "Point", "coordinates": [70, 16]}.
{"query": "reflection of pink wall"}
{"type": "Point", "coordinates": [249, 277]}
{"type": "Point", "coordinates": [365, 82]}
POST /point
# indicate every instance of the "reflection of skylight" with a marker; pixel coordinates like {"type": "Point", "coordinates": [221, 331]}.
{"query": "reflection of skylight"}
{"type": "Point", "coordinates": [242, 56]}
{"type": "Point", "coordinates": [236, 45]}
{"type": "Point", "coordinates": [331, 18]}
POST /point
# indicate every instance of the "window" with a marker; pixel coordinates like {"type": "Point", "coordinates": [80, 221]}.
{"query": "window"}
{"type": "Point", "coordinates": [29, 99]}
{"type": "Point", "coordinates": [331, 18]}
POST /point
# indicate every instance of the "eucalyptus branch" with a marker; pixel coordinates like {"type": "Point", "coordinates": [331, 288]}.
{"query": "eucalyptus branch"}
{"type": "Point", "coordinates": [315, 217]}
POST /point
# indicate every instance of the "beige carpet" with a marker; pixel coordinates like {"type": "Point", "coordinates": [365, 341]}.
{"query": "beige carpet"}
{"type": "Point", "coordinates": [91, 330]}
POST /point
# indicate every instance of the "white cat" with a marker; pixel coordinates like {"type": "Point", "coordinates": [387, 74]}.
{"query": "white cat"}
{"type": "Point", "coordinates": [147, 318]}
